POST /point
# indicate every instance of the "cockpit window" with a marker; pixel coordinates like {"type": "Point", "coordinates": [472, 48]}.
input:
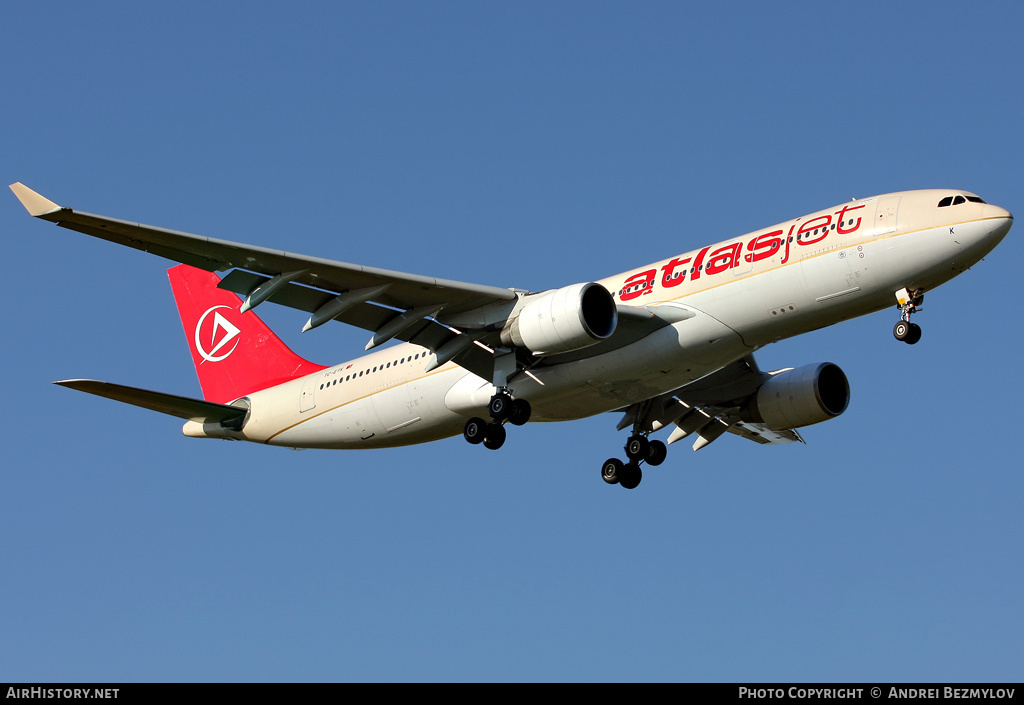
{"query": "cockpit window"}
{"type": "Point", "coordinates": [957, 200]}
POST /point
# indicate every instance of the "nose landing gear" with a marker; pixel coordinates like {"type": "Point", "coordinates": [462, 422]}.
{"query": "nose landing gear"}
{"type": "Point", "coordinates": [908, 302]}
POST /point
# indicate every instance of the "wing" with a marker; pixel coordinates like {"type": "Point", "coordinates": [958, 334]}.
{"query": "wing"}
{"type": "Point", "coordinates": [403, 291]}
{"type": "Point", "coordinates": [708, 408]}
{"type": "Point", "coordinates": [455, 320]}
{"type": "Point", "coordinates": [391, 304]}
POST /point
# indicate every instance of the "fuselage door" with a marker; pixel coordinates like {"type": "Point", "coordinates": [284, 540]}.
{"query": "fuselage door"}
{"type": "Point", "coordinates": [307, 399]}
{"type": "Point", "coordinates": [885, 215]}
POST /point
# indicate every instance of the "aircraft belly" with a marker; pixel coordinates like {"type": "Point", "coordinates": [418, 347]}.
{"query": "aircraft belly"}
{"type": "Point", "coordinates": [401, 415]}
{"type": "Point", "coordinates": [663, 361]}
{"type": "Point", "coordinates": [820, 290]}
{"type": "Point", "coordinates": [932, 257]}
{"type": "Point", "coordinates": [344, 426]}
{"type": "Point", "coordinates": [762, 308]}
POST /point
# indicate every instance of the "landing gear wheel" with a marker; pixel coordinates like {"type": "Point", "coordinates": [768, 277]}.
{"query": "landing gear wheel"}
{"type": "Point", "coordinates": [631, 476]}
{"type": "Point", "coordinates": [612, 470]}
{"type": "Point", "coordinates": [901, 330]}
{"type": "Point", "coordinates": [500, 406]}
{"type": "Point", "coordinates": [906, 331]}
{"type": "Point", "coordinates": [656, 453]}
{"type": "Point", "coordinates": [520, 412]}
{"type": "Point", "coordinates": [475, 430]}
{"type": "Point", "coordinates": [636, 448]}
{"type": "Point", "coordinates": [914, 335]}
{"type": "Point", "coordinates": [495, 436]}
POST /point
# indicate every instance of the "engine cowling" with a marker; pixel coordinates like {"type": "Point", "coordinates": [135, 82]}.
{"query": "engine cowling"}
{"type": "Point", "coordinates": [561, 320]}
{"type": "Point", "coordinates": [801, 397]}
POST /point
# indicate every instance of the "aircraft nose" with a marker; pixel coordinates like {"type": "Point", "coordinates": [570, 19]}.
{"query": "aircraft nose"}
{"type": "Point", "coordinates": [1001, 220]}
{"type": "Point", "coordinates": [997, 212]}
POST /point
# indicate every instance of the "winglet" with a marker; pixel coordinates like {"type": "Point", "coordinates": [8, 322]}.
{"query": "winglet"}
{"type": "Point", "coordinates": [35, 204]}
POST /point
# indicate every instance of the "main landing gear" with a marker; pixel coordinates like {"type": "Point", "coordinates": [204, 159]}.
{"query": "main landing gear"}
{"type": "Point", "coordinates": [908, 302]}
{"type": "Point", "coordinates": [501, 408]}
{"type": "Point", "coordinates": [638, 449]}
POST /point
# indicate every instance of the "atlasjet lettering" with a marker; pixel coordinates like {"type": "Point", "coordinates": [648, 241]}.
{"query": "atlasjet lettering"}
{"type": "Point", "coordinates": [761, 246]}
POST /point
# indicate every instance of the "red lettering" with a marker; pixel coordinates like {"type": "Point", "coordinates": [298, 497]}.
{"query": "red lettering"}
{"type": "Point", "coordinates": [842, 215]}
{"type": "Point", "coordinates": [698, 263]}
{"type": "Point", "coordinates": [789, 239]}
{"type": "Point", "coordinates": [822, 221]}
{"type": "Point", "coordinates": [670, 277]}
{"type": "Point", "coordinates": [764, 246]}
{"type": "Point", "coordinates": [724, 257]}
{"type": "Point", "coordinates": [644, 283]}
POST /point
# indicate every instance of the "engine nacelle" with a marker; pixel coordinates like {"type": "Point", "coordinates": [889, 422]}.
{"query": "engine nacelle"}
{"type": "Point", "coordinates": [561, 320]}
{"type": "Point", "coordinates": [801, 397]}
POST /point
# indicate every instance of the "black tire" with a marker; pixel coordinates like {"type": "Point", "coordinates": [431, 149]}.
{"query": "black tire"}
{"type": "Point", "coordinates": [475, 430]}
{"type": "Point", "coordinates": [636, 448]}
{"type": "Point", "coordinates": [495, 436]}
{"type": "Point", "coordinates": [499, 407]}
{"type": "Point", "coordinates": [914, 335]}
{"type": "Point", "coordinates": [631, 476]}
{"type": "Point", "coordinates": [611, 471]}
{"type": "Point", "coordinates": [901, 330]}
{"type": "Point", "coordinates": [520, 412]}
{"type": "Point", "coordinates": [656, 453]}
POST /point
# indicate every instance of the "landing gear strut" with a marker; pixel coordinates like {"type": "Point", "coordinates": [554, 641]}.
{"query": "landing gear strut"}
{"type": "Point", "coordinates": [908, 302]}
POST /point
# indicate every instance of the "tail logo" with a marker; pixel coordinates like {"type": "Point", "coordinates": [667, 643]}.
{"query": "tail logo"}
{"type": "Point", "coordinates": [222, 332]}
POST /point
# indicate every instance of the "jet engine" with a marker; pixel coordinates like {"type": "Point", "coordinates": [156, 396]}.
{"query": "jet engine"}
{"type": "Point", "coordinates": [801, 397]}
{"type": "Point", "coordinates": [561, 320]}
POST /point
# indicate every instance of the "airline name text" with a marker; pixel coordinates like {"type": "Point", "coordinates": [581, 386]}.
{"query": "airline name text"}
{"type": "Point", "coordinates": [708, 262]}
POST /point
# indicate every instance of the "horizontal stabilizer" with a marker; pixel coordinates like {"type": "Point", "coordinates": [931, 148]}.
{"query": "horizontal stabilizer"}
{"type": "Point", "coordinates": [182, 407]}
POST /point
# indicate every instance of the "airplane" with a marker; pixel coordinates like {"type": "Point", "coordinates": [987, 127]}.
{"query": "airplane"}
{"type": "Point", "coordinates": [669, 344]}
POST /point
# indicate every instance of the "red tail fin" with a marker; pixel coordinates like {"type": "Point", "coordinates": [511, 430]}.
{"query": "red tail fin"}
{"type": "Point", "coordinates": [234, 353]}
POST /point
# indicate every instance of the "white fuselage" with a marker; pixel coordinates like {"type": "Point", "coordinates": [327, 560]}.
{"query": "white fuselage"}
{"type": "Point", "coordinates": [722, 302]}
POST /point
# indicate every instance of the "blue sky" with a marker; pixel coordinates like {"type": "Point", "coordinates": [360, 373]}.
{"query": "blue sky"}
{"type": "Point", "coordinates": [514, 144]}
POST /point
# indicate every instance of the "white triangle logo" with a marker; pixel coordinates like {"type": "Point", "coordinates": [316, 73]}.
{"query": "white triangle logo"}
{"type": "Point", "coordinates": [222, 328]}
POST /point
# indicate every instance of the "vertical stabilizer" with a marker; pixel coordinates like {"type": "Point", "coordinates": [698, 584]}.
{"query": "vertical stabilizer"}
{"type": "Point", "coordinates": [234, 353]}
